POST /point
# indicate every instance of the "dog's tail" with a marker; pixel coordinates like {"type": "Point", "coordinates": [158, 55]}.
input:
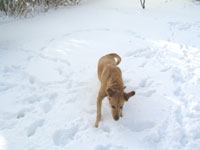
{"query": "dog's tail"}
{"type": "Point", "coordinates": [114, 55]}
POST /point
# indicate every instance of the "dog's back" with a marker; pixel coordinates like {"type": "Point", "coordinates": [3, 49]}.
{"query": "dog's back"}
{"type": "Point", "coordinates": [107, 62]}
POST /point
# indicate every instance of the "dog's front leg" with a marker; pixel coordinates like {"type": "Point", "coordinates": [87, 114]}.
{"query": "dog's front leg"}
{"type": "Point", "coordinates": [121, 114]}
{"type": "Point", "coordinates": [99, 104]}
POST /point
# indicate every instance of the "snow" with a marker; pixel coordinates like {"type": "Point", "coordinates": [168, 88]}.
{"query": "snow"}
{"type": "Point", "coordinates": [49, 84]}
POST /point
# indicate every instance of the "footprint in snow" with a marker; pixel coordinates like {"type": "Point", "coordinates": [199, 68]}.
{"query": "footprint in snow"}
{"type": "Point", "coordinates": [34, 126]}
{"type": "Point", "coordinates": [165, 69]}
{"type": "Point", "coordinates": [43, 48]}
{"type": "Point", "coordinates": [32, 79]}
{"type": "Point", "coordinates": [52, 96]}
{"type": "Point", "coordinates": [60, 71]}
{"type": "Point", "coordinates": [148, 93]}
{"type": "Point", "coordinates": [32, 99]}
{"type": "Point", "coordinates": [177, 76]}
{"type": "Point", "coordinates": [140, 126]}
{"type": "Point", "coordinates": [46, 107]}
{"type": "Point", "coordinates": [179, 92]}
{"type": "Point", "coordinates": [145, 83]}
{"type": "Point", "coordinates": [106, 129]}
{"type": "Point", "coordinates": [63, 136]}
{"type": "Point", "coordinates": [5, 86]}
{"type": "Point", "coordinates": [22, 113]}
{"type": "Point", "coordinates": [48, 102]}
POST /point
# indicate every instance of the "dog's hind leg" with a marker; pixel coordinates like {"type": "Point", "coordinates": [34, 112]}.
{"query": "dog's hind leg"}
{"type": "Point", "coordinates": [100, 98]}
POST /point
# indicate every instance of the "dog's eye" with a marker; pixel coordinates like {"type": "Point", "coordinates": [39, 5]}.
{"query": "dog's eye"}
{"type": "Point", "coordinates": [113, 107]}
{"type": "Point", "coordinates": [121, 107]}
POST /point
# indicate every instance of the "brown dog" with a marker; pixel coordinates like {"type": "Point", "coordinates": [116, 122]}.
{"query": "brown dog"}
{"type": "Point", "coordinates": [112, 86]}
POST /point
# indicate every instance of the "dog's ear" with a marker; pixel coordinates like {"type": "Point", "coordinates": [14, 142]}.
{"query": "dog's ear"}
{"type": "Point", "coordinates": [128, 95]}
{"type": "Point", "coordinates": [110, 92]}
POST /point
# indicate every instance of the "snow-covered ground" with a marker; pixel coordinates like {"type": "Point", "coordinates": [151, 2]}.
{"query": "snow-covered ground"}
{"type": "Point", "coordinates": [49, 84]}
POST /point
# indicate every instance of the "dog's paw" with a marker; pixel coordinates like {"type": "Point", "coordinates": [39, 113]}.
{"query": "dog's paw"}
{"type": "Point", "coordinates": [96, 124]}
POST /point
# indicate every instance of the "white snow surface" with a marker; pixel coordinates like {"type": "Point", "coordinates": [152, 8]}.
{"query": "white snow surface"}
{"type": "Point", "coordinates": [49, 84]}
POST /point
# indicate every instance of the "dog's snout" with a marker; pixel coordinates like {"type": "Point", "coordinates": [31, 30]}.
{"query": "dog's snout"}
{"type": "Point", "coordinates": [116, 118]}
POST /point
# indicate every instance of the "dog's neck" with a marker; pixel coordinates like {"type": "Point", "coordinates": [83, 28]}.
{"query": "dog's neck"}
{"type": "Point", "coordinates": [116, 82]}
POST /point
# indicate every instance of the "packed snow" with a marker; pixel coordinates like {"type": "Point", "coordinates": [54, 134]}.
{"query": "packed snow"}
{"type": "Point", "coordinates": [49, 83]}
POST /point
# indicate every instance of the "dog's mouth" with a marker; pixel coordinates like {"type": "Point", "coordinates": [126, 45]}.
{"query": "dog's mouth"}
{"type": "Point", "coordinates": [116, 118]}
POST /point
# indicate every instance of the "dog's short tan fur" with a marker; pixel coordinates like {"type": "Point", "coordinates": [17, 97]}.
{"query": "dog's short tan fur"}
{"type": "Point", "coordinates": [112, 86]}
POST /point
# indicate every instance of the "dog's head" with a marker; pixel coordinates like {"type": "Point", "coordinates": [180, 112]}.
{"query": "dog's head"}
{"type": "Point", "coordinates": [116, 100]}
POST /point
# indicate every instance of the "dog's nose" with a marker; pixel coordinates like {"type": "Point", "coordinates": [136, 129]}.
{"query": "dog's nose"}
{"type": "Point", "coordinates": [116, 118]}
